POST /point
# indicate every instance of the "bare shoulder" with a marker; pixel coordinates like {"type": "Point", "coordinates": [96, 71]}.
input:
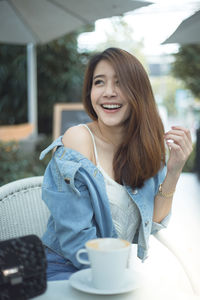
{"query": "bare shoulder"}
{"type": "Point", "coordinates": [78, 138]}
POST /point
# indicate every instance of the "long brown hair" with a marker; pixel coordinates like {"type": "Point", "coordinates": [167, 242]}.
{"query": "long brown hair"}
{"type": "Point", "coordinates": [142, 152]}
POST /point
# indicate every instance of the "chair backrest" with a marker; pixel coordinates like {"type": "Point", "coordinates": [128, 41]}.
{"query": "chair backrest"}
{"type": "Point", "coordinates": [22, 210]}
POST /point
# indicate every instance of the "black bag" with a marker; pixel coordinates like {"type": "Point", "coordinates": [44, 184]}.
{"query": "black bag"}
{"type": "Point", "coordinates": [22, 268]}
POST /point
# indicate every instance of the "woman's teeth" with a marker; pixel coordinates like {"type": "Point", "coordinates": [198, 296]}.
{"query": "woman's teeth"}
{"type": "Point", "coordinates": [111, 106]}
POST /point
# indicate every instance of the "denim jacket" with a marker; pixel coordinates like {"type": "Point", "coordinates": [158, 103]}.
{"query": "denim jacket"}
{"type": "Point", "coordinates": [75, 193]}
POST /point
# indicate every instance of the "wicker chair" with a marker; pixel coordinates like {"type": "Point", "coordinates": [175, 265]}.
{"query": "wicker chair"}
{"type": "Point", "coordinates": [22, 210]}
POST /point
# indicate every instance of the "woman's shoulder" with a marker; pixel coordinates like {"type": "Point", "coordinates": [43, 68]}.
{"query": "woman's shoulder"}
{"type": "Point", "coordinates": [78, 138]}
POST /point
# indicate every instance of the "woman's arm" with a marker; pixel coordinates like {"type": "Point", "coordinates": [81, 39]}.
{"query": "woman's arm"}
{"type": "Point", "coordinates": [179, 142]}
{"type": "Point", "coordinates": [67, 196]}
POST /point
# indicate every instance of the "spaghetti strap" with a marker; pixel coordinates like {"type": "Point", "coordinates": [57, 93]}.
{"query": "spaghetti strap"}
{"type": "Point", "coordinates": [94, 144]}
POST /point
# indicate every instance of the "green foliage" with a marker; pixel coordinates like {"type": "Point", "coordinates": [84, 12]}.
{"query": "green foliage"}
{"type": "Point", "coordinates": [13, 91]}
{"type": "Point", "coordinates": [60, 69]}
{"type": "Point", "coordinates": [187, 67]}
{"type": "Point", "coordinates": [16, 164]}
{"type": "Point", "coordinates": [190, 163]}
{"type": "Point", "coordinates": [60, 76]}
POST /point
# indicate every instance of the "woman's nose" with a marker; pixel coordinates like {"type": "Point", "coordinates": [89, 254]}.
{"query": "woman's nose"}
{"type": "Point", "coordinates": [110, 90]}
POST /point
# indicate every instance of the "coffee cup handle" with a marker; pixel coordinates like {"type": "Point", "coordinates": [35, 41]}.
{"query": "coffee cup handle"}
{"type": "Point", "coordinates": [81, 260]}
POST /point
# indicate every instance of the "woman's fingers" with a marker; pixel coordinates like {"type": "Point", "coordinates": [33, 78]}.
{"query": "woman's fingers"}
{"type": "Point", "coordinates": [179, 142]}
{"type": "Point", "coordinates": [182, 132]}
{"type": "Point", "coordinates": [178, 153]}
{"type": "Point", "coordinates": [180, 136]}
{"type": "Point", "coordinates": [180, 146]}
{"type": "Point", "coordinates": [182, 129]}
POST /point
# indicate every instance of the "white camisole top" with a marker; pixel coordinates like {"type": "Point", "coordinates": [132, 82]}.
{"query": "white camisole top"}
{"type": "Point", "coordinates": [125, 213]}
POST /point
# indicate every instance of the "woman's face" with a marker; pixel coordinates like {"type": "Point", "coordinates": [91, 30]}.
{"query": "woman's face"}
{"type": "Point", "coordinates": [107, 99]}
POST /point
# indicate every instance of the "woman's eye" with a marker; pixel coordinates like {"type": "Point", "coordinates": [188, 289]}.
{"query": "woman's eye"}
{"type": "Point", "coordinates": [117, 82]}
{"type": "Point", "coordinates": [97, 82]}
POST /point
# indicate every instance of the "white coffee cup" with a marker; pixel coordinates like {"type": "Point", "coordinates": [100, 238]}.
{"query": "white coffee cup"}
{"type": "Point", "coordinates": [108, 258]}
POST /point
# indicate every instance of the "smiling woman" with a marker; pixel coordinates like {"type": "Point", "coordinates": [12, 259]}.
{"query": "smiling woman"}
{"type": "Point", "coordinates": [108, 178]}
{"type": "Point", "coordinates": [116, 77]}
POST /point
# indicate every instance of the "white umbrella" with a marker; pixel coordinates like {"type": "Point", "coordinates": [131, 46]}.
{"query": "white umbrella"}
{"type": "Point", "coordinates": [188, 32]}
{"type": "Point", "coordinates": [30, 22]}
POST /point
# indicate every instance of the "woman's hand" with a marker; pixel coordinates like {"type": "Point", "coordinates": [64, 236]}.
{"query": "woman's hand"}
{"type": "Point", "coordinates": [179, 142]}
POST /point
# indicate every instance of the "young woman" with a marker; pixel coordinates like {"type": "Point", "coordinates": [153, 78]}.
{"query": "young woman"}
{"type": "Point", "coordinates": [109, 178]}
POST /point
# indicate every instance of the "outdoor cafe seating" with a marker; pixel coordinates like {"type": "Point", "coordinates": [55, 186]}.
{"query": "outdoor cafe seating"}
{"type": "Point", "coordinates": [23, 212]}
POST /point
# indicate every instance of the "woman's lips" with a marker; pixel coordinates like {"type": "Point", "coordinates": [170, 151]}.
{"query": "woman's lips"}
{"type": "Point", "coordinates": [111, 107]}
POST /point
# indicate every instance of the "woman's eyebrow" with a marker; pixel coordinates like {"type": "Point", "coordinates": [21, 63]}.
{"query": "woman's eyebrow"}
{"type": "Point", "coordinates": [101, 75]}
{"type": "Point", "coordinates": [97, 76]}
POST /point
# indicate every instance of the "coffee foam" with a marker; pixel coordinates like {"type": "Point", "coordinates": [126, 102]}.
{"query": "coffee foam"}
{"type": "Point", "coordinates": [107, 244]}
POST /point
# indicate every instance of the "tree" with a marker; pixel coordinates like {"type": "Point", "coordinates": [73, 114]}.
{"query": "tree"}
{"type": "Point", "coordinates": [118, 33]}
{"type": "Point", "coordinates": [13, 90]}
{"type": "Point", "coordinates": [60, 76]}
{"type": "Point", "coordinates": [187, 67]}
{"type": "Point", "coordinates": [60, 69]}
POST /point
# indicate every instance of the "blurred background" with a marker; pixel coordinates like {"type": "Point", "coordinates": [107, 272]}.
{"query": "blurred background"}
{"type": "Point", "coordinates": [173, 66]}
{"type": "Point", "coordinates": [44, 48]}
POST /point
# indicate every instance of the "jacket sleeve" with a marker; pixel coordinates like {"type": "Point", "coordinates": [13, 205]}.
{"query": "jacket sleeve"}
{"type": "Point", "coordinates": [68, 200]}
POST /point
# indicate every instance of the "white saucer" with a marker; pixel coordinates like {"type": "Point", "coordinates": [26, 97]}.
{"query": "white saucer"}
{"type": "Point", "coordinates": [82, 281]}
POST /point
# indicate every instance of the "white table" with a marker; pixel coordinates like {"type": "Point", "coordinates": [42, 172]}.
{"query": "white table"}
{"type": "Point", "coordinates": [61, 290]}
{"type": "Point", "coordinates": [163, 280]}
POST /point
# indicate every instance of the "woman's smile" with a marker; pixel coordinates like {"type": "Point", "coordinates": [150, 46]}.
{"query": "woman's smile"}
{"type": "Point", "coordinates": [111, 107]}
